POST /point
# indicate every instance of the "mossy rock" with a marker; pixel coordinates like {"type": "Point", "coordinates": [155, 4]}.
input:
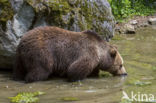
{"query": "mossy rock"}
{"type": "Point", "coordinates": [77, 15]}
{"type": "Point", "coordinates": [6, 12]}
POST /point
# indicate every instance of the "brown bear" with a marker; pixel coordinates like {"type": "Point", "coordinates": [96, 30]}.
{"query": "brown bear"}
{"type": "Point", "coordinates": [46, 51]}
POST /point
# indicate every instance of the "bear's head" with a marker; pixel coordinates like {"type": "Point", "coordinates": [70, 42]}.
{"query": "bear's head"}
{"type": "Point", "coordinates": [115, 62]}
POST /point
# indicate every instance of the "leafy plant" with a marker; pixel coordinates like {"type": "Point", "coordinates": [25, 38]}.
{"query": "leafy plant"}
{"type": "Point", "coordinates": [126, 8]}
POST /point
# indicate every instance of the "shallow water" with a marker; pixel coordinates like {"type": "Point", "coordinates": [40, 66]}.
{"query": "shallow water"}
{"type": "Point", "coordinates": [139, 53]}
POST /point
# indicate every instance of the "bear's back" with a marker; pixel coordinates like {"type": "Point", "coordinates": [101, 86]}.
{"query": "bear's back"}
{"type": "Point", "coordinates": [59, 42]}
{"type": "Point", "coordinates": [49, 32]}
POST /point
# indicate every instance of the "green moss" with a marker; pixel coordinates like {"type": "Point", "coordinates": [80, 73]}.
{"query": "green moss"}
{"type": "Point", "coordinates": [60, 5]}
{"type": "Point", "coordinates": [54, 10]}
{"type": "Point", "coordinates": [87, 13]}
{"type": "Point", "coordinates": [53, 5]}
{"type": "Point", "coordinates": [6, 12]}
{"type": "Point", "coordinates": [66, 13]}
{"type": "Point", "coordinates": [4, 1]}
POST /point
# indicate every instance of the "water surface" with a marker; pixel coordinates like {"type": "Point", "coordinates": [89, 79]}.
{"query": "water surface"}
{"type": "Point", "coordinates": [139, 53]}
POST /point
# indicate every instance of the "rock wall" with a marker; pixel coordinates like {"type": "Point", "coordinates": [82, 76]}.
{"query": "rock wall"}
{"type": "Point", "coordinates": [19, 16]}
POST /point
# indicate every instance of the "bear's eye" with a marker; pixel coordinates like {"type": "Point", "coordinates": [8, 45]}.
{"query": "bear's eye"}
{"type": "Point", "coordinates": [120, 66]}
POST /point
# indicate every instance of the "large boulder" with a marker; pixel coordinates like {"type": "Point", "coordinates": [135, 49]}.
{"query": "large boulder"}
{"type": "Point", "coordinates": [19, 16]}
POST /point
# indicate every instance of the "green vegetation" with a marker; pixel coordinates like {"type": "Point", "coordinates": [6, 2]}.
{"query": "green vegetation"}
{"type": "Point", "coordinates": [26, 97]}
{"type": "Point", "coordinates": [104, 74]}
{"type": "Point", "coordinates": [127, 8]}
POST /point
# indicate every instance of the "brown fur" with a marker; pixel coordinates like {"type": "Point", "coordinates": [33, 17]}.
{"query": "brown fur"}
{"type": "Point", "coordinates": [47, 51]}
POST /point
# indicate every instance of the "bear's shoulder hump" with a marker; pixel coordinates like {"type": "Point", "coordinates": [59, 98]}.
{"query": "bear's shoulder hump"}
{"type": "Point", "coordinates": [94, 34]}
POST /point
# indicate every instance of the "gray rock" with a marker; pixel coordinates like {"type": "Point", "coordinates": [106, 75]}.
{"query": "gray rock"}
{"type": "Point", "coordinates": [75, 15]}
{"type": "Point", "coordinates": [134, 22]}
{"type": "Point", "coordinates": [16, 4]}
{"type": "Point", "coordinates": [152, 21]}
{"type": "Point", "coordinates": [15, 28]}
{"type": "Point", "coordinates": [128, 29]}
{"type": "Point", "coordinates": [40, 22]}
{"type": "Point", "coordinates": [144, 24]}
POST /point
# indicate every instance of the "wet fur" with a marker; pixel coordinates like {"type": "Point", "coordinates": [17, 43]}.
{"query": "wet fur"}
{"type": "Point", "coordinates": [46, 51]}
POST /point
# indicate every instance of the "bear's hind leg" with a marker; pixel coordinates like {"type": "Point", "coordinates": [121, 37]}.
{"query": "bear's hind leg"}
{"type": "Point", "coordinates": [37, 74]}
{"type": "Point", "coordinates": [18, 70]}
{"type": "Point", "coordinates": [18, 74]}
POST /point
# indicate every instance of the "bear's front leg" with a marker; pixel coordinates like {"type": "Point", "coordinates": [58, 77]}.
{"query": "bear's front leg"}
{"type": "Point", "coordinates": [95, 73]}
{"type": "Point", "coordinates": [81, 68]}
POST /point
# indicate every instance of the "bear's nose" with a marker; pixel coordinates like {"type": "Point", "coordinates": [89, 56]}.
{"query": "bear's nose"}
{"type": "Point", "coordinates": [124, 74]}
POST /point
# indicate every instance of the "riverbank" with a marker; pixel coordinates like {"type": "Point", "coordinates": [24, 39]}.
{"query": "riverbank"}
{"type": "Point", "coordinates": [130, 26]}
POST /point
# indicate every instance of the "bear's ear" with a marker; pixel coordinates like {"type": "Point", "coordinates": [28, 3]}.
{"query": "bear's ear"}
{"type": "Point", "coordinates": [113, 52]}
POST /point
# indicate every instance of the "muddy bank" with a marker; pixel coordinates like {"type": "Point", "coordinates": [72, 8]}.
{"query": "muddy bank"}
{"type": "Point", "coordinates": [130, 26]}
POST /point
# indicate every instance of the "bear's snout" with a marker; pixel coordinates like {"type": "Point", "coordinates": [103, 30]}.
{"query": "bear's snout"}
{"type": "Point", "coordinates": [122, 71]}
